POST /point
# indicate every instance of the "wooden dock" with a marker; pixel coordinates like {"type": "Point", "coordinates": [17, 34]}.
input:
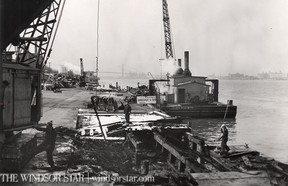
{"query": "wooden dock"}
{"type": "Point", "coordinates": [231, 178]}
{"type": "Point", "coordinates": [203, 165]}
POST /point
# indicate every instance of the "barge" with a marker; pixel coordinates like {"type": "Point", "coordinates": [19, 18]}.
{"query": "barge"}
{"type": "Point", "coordinates": [192, 96]}
{"type": "Point", "coordinates": [212, 110]}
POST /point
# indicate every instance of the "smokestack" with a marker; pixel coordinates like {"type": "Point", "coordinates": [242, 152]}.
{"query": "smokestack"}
{"type": "Point", "coordinates": [179, 63]}
{"type": "Point", "coordinates": [186, 59]}
{"type": "Point", "coordinates": [179, 71]}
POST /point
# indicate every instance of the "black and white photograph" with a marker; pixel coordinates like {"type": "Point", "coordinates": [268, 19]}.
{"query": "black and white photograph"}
{"type": "Point", "coordinates": [144, 92]}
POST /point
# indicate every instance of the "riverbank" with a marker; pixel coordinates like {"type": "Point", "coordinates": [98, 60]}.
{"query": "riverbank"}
{"type": "Point", "coordinates": [261, 114]}
{"type": "Point", "coordinates": [139, 155]}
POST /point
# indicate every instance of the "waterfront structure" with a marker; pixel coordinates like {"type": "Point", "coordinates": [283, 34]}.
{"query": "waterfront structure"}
{"type": "Point", "coordinates": [192, 96]}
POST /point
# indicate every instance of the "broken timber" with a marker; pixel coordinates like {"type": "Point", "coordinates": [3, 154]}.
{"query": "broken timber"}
{"type": "Point", "coordinates": [185, 162]}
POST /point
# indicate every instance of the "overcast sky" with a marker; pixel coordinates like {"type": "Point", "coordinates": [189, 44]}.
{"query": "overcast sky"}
{"type": "Point", "coordinates": [223, 36]}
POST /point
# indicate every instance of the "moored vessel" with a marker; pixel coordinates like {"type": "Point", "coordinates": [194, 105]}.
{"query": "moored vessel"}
{"type": "Point", "coordinates": [194, 96]}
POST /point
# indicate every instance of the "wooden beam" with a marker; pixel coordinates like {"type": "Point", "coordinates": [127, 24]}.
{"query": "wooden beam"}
{"type": "Point", "coordinates": [190, 163]}
{"type": "Point", "coordinates": [242, 154]}
{"type": "Point", "coordinates": [195, 139]}
{"type": "Point", "coordinates": [133, 141]}
{"type": "Point", "coordinates": [173, 150]}
{"type": "Point", "coordinates": [223, 162]}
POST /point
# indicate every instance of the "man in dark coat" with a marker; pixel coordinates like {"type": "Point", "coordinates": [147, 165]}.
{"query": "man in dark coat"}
{"type": "Point", "coordinates": [127, 112]}
{"type": "Point", "coordinates": [224, 138]}
{"type": "Point", "coordinates": [48, 144]}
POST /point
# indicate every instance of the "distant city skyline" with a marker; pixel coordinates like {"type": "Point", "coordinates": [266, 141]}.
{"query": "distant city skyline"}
{"type": "Point", "coordinates": [223, 36]}
{"type": "Point", "coordinates": [76, 70]}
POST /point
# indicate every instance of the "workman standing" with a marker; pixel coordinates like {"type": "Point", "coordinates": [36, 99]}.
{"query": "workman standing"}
{"type": "Point", "coordinates": [48, 144]}
{"type": "Point", "coordinates": [127, 112]}
{"type": "Point", "coordinates": [224, 138]}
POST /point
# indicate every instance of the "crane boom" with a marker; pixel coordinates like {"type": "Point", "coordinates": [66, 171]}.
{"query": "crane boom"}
{"type": "Point", "coordinates": [167, 31]}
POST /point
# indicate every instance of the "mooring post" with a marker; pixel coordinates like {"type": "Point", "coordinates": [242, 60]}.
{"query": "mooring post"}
{"type": "Point", "coordinates": [137, 158]}
{"type": "Point", "coordinates": [172, 158]}
{"type": "Point", "coordinates": [194, 146]}
{"type": "Point", "coordinates": [145, 167]}
{"type": "Point", "coordinates": [157, 146]}
{"type": "Point", "coordinates": [164, 151]}
{"type": "Point", "coordinates": [181, 166]}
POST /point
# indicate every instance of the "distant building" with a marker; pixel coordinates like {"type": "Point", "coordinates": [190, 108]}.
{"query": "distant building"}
{"type": "Point", "coordinates": [91, 76]}
{"type": "Point", "coordinates": [264, 75]}
{"type": "Point", "coordinates": [236, 76]}
{"type": "Point", "coordinates": [273, 75]}
{"type": "Point", "coordinates": [277, 75]}
{"type": "Point", "coordinates": [63, 69]}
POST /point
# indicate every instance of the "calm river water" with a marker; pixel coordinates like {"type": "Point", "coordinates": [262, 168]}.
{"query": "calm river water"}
{"type": "Point", "coordinates": [262, 117]}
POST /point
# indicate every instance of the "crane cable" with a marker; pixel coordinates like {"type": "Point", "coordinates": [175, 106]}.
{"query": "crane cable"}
{"type": "Point", "coordinates": [97, 29]}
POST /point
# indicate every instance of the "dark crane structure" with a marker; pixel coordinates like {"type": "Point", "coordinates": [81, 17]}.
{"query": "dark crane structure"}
{"type": "Point", "coordinates": [30, 27]}
{"type": "Point", "coordinates": [167, 31]}
{"type": "Point", "coordinates": [168, 47]}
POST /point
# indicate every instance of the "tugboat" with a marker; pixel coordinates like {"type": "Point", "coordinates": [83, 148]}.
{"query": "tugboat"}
{"type": "Point", "coordinates": [194, 96]}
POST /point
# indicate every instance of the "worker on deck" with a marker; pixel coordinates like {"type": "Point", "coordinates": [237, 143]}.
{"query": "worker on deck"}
{"type": "Point", "coordinates": [224, 137]}
{"type": "Point", "coordinates": [127, 112]}
{"type": "Point", "coordinates": [48, 144]}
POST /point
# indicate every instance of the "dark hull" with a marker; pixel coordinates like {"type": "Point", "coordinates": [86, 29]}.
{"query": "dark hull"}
{"type": "Point", "coordinates": [201, 111]}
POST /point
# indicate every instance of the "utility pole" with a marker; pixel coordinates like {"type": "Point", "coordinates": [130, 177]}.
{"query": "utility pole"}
{"type": "Point", "coordinates": [97, 40]}
{"type": "Point", "coordinates": [161, 61]}
{"type": "Point", "coordinates": [97, 68]}
{"type": "Point", "coordinates": [1, 79]}
{"type": "Point", "coordinates": [1, 99]}
{"type": "Point", "coordinates": [122, 70]}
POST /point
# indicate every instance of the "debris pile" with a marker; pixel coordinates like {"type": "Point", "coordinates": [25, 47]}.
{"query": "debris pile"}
{"type": "Point", "coordinates": [169, 153]}
{"type": "Point", "coordinates": [103, 156]}
{"type": "Point", "coordinates": [58, 81]}
{"type": "Point", "coordinates": [96, 157]}
{"type": "Point", "coordinates": [93, 156]}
